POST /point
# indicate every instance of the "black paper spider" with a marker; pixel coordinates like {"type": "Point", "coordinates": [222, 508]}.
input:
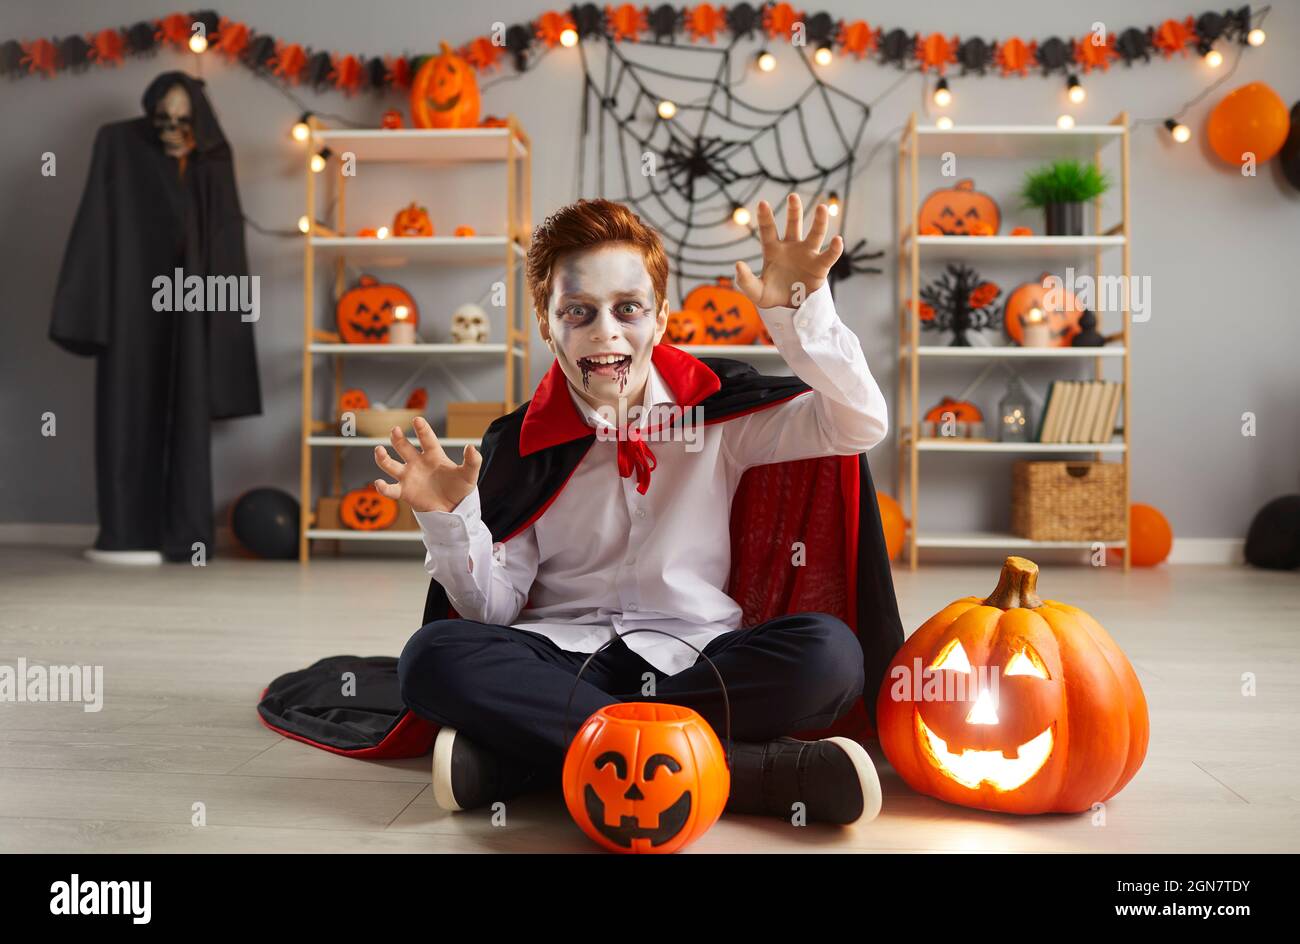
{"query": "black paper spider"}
{"type": "Point", "coordinates": [1054, 55]}
{"type": "Point", "coordinates": [1134, 44]}
{"type": "Point", "coordinates": [975, 55]}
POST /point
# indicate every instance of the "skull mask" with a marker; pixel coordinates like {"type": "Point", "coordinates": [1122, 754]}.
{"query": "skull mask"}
{"type": "Point", "coordinates": [469, 325]}
{"type": "Point", "coordinates": [174, 121]}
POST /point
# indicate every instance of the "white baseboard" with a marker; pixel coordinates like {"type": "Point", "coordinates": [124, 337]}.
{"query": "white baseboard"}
{"type": "Point", "coordinates": [74, 535]}
{"type": "Point", "coordinates": [1208, 551]}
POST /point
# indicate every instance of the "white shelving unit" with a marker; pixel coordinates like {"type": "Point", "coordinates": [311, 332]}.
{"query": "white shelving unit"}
{"type": "Point", "coordinates": [326, 244]}
{"type": "Point", "coordinates": [1000, 142]}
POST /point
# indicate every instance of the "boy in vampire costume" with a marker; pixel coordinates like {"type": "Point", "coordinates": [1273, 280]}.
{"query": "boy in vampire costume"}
{"type": "Point", "coordinates": [644, 489]}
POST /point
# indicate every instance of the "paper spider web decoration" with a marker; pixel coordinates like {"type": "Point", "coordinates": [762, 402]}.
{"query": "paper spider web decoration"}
{"type": "Point", "coordinates": [685, 175]}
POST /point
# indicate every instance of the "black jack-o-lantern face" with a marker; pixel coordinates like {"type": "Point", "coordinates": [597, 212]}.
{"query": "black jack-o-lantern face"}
{"type": "Point", "coordinates": [729, 317]}
{"type": "Point", "coordinates": [645, 777]}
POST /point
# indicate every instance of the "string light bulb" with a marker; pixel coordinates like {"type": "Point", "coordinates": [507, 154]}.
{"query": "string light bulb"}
{"type": "Point", "coordinates": [1214, 58]}
{"type": "Point", "coordinates": [833, 203]}
{"type": "Point", "coordinates": [1178, 131]}
{"type": "Point", "coordinates": [568, 37]}
{"type": "Point", "coordinates": [1256, 37]}
{"type": "Point", "coordinates": [766, 61]}
{"type": "Point", "coordinates": [301, 130]}
{"type": "Point", "coordinates": [942, 94]}
{"type": "Point", "coordinates": [319, 159]}
{"type": "Point", "coordinates": [667, 109]}
{"type": "Point", "coordinates": [823, 55]}
{"type": "Point", "coordinates": [381, 233]}
{"type": "Point", "coordinates": [199, 43]}
{"type": "Point", "coordinates": [943, 122]}
{"type": "Point", "coordinates": [1075, 91]}
{"type": "Point", "coordinates": [1065, 122]}
{"type": "Point", "coordinates": [740, 215]}
{"type": "Point", "coordinates": [304, 224]}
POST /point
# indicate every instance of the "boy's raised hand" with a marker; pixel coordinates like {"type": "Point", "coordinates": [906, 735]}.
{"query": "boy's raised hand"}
{"type": "Point", "coordinates": [794, 265]}
{"type": "Point", "coordinates": [427, 479]}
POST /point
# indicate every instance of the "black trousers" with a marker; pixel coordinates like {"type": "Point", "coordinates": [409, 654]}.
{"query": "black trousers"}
{"type": "Point", "coordinates": [507, 689]}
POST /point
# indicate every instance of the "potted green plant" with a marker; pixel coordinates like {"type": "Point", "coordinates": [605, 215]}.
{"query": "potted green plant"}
{"type": "Point", "coordinates": [1061, 189]}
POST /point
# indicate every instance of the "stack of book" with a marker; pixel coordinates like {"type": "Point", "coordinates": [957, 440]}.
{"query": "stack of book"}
{"type": "Point", "coordinates": [1080, 411]}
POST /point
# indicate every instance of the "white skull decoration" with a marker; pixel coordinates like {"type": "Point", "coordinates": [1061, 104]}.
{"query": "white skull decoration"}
{"type": "Point", "coordinates": [469, 325]}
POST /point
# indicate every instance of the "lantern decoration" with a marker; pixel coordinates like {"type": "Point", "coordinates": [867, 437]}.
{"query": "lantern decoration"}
{"type": "Point", "coordinates": [366, 312]}
{"type": "Point", "coordinates": [645, 777]}
{"type": "Point", "coordinates": [1249, 120]}
{"type": "Point", "coordinates": [729, 316]}
{"type": "Point", "coordinates": [1015, 414]}
{"type": "Point", "coordinates": [960, 210]}
{"type": "Point", "coordinates": [1060, 310]}
{"type": "Point", "coordinates": [444, 93]}
{"type": "Point", "coordinates": [365, 509]}
{"type": "Point", "coordinates": [1013, 704]}
{"type": "Point", "coordinates": [953, 419]}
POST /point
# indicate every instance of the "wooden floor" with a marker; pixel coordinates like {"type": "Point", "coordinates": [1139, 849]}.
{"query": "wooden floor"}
{"type": "Point", "coordinates": [186, 652]}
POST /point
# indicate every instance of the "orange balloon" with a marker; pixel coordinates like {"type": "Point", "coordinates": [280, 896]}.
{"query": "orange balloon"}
{"type": "Point", "coordinates": [1249, 119]}
{"type": "Point", "coordinates": [893, 523]}
{"type": "Point", "coordinates": [1150, 535]}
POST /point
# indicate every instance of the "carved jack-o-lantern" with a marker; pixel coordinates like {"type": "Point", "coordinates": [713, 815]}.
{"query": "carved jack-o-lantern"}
{"type": "Point", "coordinates": [352, 400]}
{"type": "Point", "coordinates": [364, 509]}
{"type": "Point", "coordinates": [685, 327]}
{"type": "Point", "coordinates": [1013, 704]}
{"type": "Point", "coordinates": [645, 777]}
{"type": "Point", "coordinates": [1060, 310]}
{"type": "Point", "coordinates": [960, 210]}
{"type": "Point", "coordinates": [444, 93]}
{"type": "Point", "coordinates": [366, 311]}
{"type": "Point", "coordinates": [729, 316]}
{"type": "Point", "coordinates": [412, 220]}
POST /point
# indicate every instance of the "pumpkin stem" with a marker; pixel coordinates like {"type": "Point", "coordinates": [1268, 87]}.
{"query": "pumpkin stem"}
{"type": "Point", "coordinates": [1017, 586]}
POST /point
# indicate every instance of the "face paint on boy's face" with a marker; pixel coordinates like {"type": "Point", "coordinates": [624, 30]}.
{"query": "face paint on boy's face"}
{"type": "Point", "coordinates": [602, 318]}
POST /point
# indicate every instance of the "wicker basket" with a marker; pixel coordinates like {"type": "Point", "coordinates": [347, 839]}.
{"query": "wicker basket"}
{"type": "Point", "coordinates": [1068, 501]}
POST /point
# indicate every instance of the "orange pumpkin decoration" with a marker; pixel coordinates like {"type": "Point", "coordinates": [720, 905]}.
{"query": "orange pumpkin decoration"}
{"type": "Point", "coordinates": [418, 400]}
{"type": "Point", "coordinates": [1062, 314]}
{"type": "Point", "coordinates": [412, 220]}
{"type": "Point", "coordinates": [1022, 231]}
{"type": "Point", "coordinates": [464, 231]}
{"type": "Point", "coordinates": [364, 509]}
{"type": "Point", "coordinates": [963, 411]}
{"type": "Point", "coordinates": [352, 400]}
{"type": "Point", "coordinates": [392, 119]}
{"type": "Point", "coordinates": [444, 93]}
{"type": "Point", "coordinates": [1013, 704]}
{"type": "Point", "coordinates": [492, 121]}
{"type": "Point", "coordinates": [365, 312]}
{"type": "Point", "coordinates": [892, 523]}
{"type": "Point", "coordinates": [685, 327]}
{"type": "Point", "coordinates": [645, 777]}
{"type": "Point", "coordinates": [729, 316]}
{"type": "Point", "coordinates": [960, 210]}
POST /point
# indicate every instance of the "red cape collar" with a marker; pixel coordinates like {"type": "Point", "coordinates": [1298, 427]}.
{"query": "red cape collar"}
{"type": "Point", "coordinates": [552, 418]}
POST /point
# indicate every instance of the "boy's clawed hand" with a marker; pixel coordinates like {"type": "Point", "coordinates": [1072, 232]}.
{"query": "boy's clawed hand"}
{"type": "Point", "coordinates": [794, 265]}
{"type": "Point", "coordinates": [427, 479]}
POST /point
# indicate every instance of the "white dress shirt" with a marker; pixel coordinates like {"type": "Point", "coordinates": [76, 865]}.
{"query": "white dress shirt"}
{"type": "Point", "coordinates": [604, 558]}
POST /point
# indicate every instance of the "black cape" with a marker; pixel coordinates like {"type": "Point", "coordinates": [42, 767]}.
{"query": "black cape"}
{"type": "Point", "coordinates": [829, 500]}
{"type": "Point", "coordinates": [161, 376]}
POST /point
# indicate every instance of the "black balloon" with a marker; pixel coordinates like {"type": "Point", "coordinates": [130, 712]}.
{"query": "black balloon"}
{"type": "Point", "coordinates": [1289, 156]}
{"type": "Point", "coordinates": [1273, 541]}
{"type": "Point", "coordinates": [265, 522]}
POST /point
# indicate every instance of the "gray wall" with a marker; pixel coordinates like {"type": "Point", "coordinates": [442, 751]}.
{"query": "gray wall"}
{"type": "Point", "coordinates": [1219, 248]}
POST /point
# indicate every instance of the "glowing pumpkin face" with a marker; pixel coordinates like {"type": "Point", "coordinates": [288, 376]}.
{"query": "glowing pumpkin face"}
{"type": "Point", "coordinates": [645, 777]}
{"type": "Point", "coordinates": [685, 327]}
{"type": "Point", "coordinates": [412, 220]}
{"type": "Point", "coordinates": [444, 93]}
{"type": "Point", "coordinates": [960, 210]}
{"type": "Point", "coordinates": [364, 509]}
{"type": "Point", "coordinates": [1060, 309]}
{"type": "Point", "coordinates": [1013, 704]}
{"type": "Point", "coordinates": [366, 312]}
{"type": "Point", "coordinates": [353, 399]}
{"type": "Point", "coordinates": [729, 317]}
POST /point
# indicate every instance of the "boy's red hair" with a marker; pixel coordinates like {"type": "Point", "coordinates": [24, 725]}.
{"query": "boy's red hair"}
{"type": "Point", "coordinates": [584, 225]}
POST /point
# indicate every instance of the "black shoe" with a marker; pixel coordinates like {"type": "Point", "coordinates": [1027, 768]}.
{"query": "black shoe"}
{"type": "Point", "coordinates": [834, 779]}
{"type": "Point", "coordinates": [467, 776]}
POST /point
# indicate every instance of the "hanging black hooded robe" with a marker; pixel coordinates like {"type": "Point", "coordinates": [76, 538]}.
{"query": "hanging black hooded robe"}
{"type": "Point", "coordinates": [161, 376]}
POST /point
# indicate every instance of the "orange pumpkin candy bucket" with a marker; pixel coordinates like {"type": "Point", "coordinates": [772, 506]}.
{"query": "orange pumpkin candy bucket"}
{"type": "Point", "coordinates": [646, 777]}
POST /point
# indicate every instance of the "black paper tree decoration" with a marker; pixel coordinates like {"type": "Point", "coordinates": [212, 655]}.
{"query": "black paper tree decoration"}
{"type": "Point", "coordinates": [959, 301]}
{"type": "Point", "coordinates": [687, 174]}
